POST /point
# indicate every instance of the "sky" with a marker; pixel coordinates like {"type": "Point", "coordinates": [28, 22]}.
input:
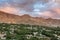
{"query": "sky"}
{"type": "Point", "coordinates": [35, 8]}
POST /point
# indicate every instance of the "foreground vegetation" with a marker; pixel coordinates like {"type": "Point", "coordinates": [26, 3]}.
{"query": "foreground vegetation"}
{"type": "Point", "coordinates": [28, 32]}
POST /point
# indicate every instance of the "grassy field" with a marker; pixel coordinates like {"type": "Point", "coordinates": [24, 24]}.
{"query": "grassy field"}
{"type": "Point", "coordinates": [28, 32]}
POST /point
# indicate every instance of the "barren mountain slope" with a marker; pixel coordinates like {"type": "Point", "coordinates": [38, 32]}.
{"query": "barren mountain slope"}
{"type": "Point", "coordinates": [27, 19]}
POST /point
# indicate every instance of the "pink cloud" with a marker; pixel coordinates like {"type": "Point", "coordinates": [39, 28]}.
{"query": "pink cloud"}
{"type": "Point", "coordinates": [56, 10]}
{"type": "Point", "coordinates": [9, 9]}
{"type": "Point", "coordinates": [45, 14]}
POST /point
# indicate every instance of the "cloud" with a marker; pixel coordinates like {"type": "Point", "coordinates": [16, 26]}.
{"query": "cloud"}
{"type": "Point", "coordinates": [44, 14]}
{"type": "Point", "coordinates": [47, 13]}
{"type": "Point", "coordinates": [48, 8]}
{"type": "Point", "coordinates": [28, 5]}
{"type": "Point", "coordinates": [56, 10]}
{"type": "Point", "coordinates": [9, 9]}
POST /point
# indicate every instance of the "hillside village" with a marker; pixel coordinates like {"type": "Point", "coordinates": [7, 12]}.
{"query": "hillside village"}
{"type": "Point", "coordinates": [28, 32]}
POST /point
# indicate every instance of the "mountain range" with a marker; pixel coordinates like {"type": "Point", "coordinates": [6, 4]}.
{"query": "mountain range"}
{"type": "Point", "coordinates": [27, 19]}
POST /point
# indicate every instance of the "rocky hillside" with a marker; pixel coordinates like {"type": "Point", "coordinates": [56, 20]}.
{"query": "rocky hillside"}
{"type": "Point", "coordinates": [27, 19]}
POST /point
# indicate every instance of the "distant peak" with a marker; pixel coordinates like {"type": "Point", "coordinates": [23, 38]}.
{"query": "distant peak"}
{"type": "Point", "coordinates": [26, 15]}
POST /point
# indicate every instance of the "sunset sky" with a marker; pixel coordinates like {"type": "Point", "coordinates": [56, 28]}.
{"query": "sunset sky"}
{"type": "Point", "coordinates": [39, 8]}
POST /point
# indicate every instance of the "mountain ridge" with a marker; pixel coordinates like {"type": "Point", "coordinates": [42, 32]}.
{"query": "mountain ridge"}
{"type": "Point", "coordinates": [27, 19]}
